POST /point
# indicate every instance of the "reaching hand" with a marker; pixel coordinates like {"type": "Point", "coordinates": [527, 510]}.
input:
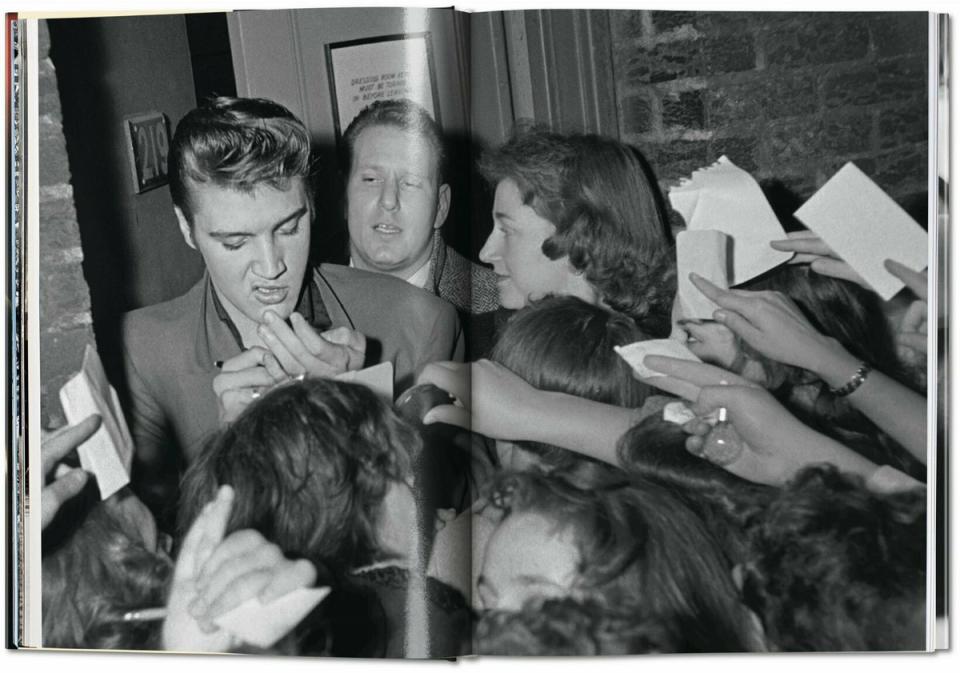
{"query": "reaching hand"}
{"type": "Point", "coordinates": [811, 250]}
{"type": "Point", "coordinates": [775, 445]}
{"type": "Point", "coordinates": [772, 324]}
{"type": "Point", "coordinates": [912, 331]}
{"type": "Point", "coordinates": [496, 402]}
{"type": "Point", "coordinates": [302, 352]}
{"type": "Point", "coordinates": [243, 378]}
{"type": "Point", "coordinates": [54, 447]}
{"type": "Point", "coordinates": [215, 575]}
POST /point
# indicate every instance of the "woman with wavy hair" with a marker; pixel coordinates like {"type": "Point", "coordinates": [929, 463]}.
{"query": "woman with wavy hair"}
{"type": "Point", "coordinates": [628, 545]}
{"type": "Point", "coordinates": [579, 215]}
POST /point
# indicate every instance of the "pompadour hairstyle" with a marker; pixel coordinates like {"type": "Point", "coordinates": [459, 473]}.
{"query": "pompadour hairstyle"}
{"type": "Point", "coordinates": [237, 143]}
{"type": "Point", "coordinates": [604, 200]}
{"type": "Point", "coordinates": [400, 113]}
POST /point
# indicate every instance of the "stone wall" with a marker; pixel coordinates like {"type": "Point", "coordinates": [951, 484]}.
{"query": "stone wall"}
{"type": "Point", "coordinates": [789, 97]}
{"type": "Point", "coordinates": [65, 323]}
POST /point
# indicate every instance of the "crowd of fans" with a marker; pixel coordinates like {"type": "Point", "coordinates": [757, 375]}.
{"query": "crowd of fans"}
{"type": "Point", "coordinates": [784, 511]}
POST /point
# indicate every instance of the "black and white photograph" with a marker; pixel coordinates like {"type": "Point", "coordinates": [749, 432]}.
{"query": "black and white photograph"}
{"type": "Point", "coordinates": [421, 333]}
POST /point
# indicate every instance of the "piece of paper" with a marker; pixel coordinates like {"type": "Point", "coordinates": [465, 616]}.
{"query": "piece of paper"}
{"type": "Point", "coordinates": [864, 226]}
{"type": "Point", "coordinates": [108, 454]}
{"type": "Point", "coordinates": [727, 198]}
{"type": "Point", "coordinates": [379, 378]}
{"type": "Point", "coordinates": [635, 353]}
{"type": "Point", "coordinates": [263, 625]}
{"type": "Point", "coordinates": [678, 412]}
{"type": "Point", "coordinates": [706, 253]}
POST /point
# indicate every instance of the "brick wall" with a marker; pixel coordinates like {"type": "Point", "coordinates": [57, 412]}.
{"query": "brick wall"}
{"type": "Point", "coordinates": [790, 97]}
{"type": "Point", "coordinates": [65, 324]}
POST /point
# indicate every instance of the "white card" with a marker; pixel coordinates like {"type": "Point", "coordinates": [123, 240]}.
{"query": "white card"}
{"type": "Point", "coordinates": [635, 352]}
{"type": "Point", "coordinates": [727, 198]}
{"type": "Point", "coordinates": [379, 378]}
{"type": "Point", "coordinates": [864, 226]}
{"type": "Point", "coordinates": [263, 625]}
{"type": "Point", "coordinates": [703, 252]}
{"type": "Point", "coordinates": [108, 454]}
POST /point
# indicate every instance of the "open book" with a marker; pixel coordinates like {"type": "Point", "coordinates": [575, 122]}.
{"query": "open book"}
{"type": "Point", "coordinates": [701, 292]}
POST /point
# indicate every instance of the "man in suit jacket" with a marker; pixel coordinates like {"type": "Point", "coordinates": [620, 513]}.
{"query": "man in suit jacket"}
{"type": "Point", "coordinates": [397, 200]}
{"type": "Point", "coordinates": [239, 180]}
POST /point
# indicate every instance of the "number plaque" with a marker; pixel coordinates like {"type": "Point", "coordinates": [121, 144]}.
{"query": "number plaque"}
{"type": "Point", "coordinates": [147, 143]}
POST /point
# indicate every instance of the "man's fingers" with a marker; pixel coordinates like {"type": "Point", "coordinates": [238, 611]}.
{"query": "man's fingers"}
{"type": "Point", "coordinates": [272, 365]}
{"type": "Point", "coordinates": [915, 280]}
{"type": "Point", "coordinates": [253, 377]}
{"type": "Point", "coordinates": [284, 344]}
{"type": "Point", "coordinates": [59, 491]}
{"type": "Point", "coordinates": [61, 442]}
{"type": "Point", "coordinates": [245, 360]}
{"type": "Point", "coordinates": [354, 341]}
{"type": "Point", "coordinates": [449, 414]}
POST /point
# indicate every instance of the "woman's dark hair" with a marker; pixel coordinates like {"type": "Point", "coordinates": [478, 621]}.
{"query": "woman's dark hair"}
{"type": "Point", "coordinates": [569, 627]}
{"type": "Point", "coordinates": [854, 317]}
{"type": "Point", "coordinates": [838, 568]}
{"type": "Point", "coordinates": [310, 463]}
{"type": "Point", "coordinates": [641, 550]}
{"type": "Point", "coordinates": [92, 576]}
{"type": "Point", "coordinates": [564, 344]}
{"type": "Point", "coordinates": [604, 200]}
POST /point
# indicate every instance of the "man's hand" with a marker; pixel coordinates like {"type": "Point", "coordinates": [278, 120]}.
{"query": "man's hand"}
{"type": "Point", "coordinates": [54, 447]}
{"type": "Point", "coordinates": [243, 378]}
{"type": "Point", "coordinates": [302, 352]}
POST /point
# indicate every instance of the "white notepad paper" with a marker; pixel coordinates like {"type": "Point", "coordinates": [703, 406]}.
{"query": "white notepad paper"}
{"type": "Point", "coordinates": [635, 353]}
{"type": "Point", "coordinates": [705, 253]}
{"type": "Point", "coordinates": [726, 198]}
{"type": "Point", "coordinates": [864, 226]}
{"type": "Point", "coordinates": [262, 625]}
{"type": "Point", "coordinates": [108, 454]}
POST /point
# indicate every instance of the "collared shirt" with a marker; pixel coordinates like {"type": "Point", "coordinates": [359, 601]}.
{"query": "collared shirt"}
{"type": "Point", "coordinates": [420, 278]}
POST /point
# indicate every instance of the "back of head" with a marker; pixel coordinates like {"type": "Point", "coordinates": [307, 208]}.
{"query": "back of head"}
{"type": "Point", "coordinates": [399, 113]}
{"type": "Point", "coordinates": [605, 203]}
{"type": "Point", "coordinates": [564, 344]}
{"type": "Point", "coordinates": [311, 464]}
{"type": "Point", "coordinates": [237, 143]}
{"type": "Point", "coordinates": [641, 551]}
{"type": "Point", "coordinates": [95, 573]}
{"type": "Point", "coordinates": [838, 568]}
